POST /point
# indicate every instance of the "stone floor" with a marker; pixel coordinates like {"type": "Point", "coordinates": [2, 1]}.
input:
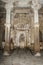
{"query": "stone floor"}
{"type": "Point", "coordinates": [21, 57]}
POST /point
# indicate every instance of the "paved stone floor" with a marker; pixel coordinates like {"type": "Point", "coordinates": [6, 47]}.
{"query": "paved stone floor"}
{"type": "Point", "coordinates": [21, 57]}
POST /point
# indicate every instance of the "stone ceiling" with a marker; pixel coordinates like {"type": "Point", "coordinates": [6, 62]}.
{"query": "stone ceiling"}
{"type": "Point", "coordinates": [16, 0]}
{"type": "Point", "coordinates": [22, 1]}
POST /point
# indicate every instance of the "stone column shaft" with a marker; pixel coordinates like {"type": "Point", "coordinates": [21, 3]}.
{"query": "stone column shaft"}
{"type": "Point", "coordinates": [32, 30]}
{"type": "Point", "coordinates": [8, 15]}
{"type": "Point", "coordinates": [7, 25]}
{"type": "Point", "coordinates": [7, 33]}
{"type": "Point", "coordinates": [36, 31]}
{"type": "Point", "coordinates": [36, 18]}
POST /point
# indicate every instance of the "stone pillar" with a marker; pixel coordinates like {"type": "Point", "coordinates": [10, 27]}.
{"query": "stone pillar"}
{"type": "Point", "coordinates": [36, 33]}
{"type": "Point", "coordinates": [36, 7]}
{"type": "Point", "coordinates": [7, 29]}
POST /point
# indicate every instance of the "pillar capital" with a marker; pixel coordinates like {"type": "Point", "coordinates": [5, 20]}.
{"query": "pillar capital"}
{"type": "Point", "coordinates": [9, 6]}
{"type": "Point", "coordinates": [36, 5]}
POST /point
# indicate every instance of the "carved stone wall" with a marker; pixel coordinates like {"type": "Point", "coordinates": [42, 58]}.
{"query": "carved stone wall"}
{"type": "Point", "coordinates": [22, 25]}
{"type": "Point", "coordinates": [22, 16]}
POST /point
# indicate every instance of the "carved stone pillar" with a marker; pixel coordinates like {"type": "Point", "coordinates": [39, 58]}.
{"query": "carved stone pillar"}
{"type": "Point", "coordinates": [7, 29]}
{"type": "Point", "coordinates": [36, 32]}
{"type": "Point", "coordinates": [36, 7]}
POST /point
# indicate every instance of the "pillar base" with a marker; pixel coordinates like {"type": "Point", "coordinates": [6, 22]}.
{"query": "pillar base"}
{"type": "Point", "coordinates": [38, 54]}
{"type": "Point", "coordinates": [6, 53]}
